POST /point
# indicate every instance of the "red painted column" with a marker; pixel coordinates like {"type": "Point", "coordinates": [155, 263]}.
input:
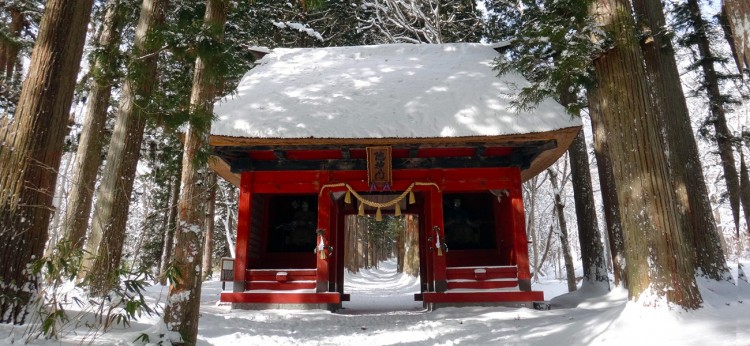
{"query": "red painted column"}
{"type": "Point", "coordinates": [241, 262]}
{"type": "Point", "coordinates": [425, 255]}
{"type": "Point", "coordinates": [521, 243]}
{"type": "Point", "coordinates": [436, 238]}
{"type": "Point", "coordinates": [322, 256]}
{"type": "Point", "coordinates": [338, 246]}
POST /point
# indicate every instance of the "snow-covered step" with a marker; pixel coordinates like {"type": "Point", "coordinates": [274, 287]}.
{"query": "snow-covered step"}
{"type": "Point", "coordinates": [483, 284]}
{"type": "Point", "coordinates": [481, 273]}
{"type": "Point", "coordinates": [283, 286]}
{"type": "Point", "coordinates": [281, 275]}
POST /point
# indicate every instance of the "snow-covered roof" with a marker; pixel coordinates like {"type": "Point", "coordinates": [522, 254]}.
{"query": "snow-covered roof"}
{"type": "Point", "coordinates": [385, 91]}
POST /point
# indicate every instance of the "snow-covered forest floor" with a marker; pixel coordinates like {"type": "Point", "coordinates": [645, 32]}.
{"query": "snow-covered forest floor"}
{"type": "Point", "coordinates": [382, 312]}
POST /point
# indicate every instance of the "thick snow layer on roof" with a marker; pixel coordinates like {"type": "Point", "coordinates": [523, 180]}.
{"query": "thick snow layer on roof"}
{"type": "Point", "coordinates": [386, 91]}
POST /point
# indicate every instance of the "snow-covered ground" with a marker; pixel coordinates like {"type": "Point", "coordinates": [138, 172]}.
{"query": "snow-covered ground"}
{"type": "Point", "coordinates": [382, 312]}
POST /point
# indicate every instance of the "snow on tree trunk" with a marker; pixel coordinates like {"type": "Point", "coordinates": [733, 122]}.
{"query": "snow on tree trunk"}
{"type": "Point", "coordinates": [182, 309]}
{"type": "Point", "coordinates": [532, 187]}
{"type": "Point", "coordinates": [113, 197]}
{"type": "Point", "coordinates": [570, 273]}
{"type": "Point", "coordinates": [31, 156]}
{"type": "Point", "coordinates": [60, 193]}
{"type": "Point", "coordinates": [168, 244]}
{"type": "Point", "coordinates": [737, 14]}
{"type": "Point", "coordinates": [208, 245]}
{"type": "Point", "coordinates": [745, 189]}
{"type": "Point", "coordinates": [687, 180]}
{"type": "Point", "coordinates": [229, 220]}
{"type": "Point", "coordinates": [88, 156]}
{"type": "Point", "coordinates": [660, 263]}
{"type": "Point", "coordinates": [592, 252]}
{"type": "Point", "coordinates": [608, 190]}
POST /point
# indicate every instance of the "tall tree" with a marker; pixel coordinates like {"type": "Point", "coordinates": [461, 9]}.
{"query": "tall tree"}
{"type": "Point", "coordinates": [553, 43]}
{"type": "Point", "coordinates": [208, 245]}
{"type": "Point", "coordinates": [113, 197]}
{"type": "Point", "coordinates": [31, 159]}
{"type": "Point", "coordinates": [608, 190]}
{"type": "Point", "coordinates": [557, 187]}
{"type": "Point", "coordinates": [658, 255]}
{"type": "Point", "coordinates": [691, 17]}
{"type": "Point", "coordinates": [736, 15]}
{"type": "Point", "coordinates": [182, 310]}
{"type": "Point", "coordinates": [88, 156]}
{"type": "Point", "coordinates": [9, 42]}
{"type": "Point", "coordinates": [531, 188]}
{"type": "Point", "coordinates": [19, 22]}
{"type": "Point", "coordinates": [669, 104]}
{"type": "Point", "coordinates": [659, 258]}
{"type": "Point", "coordinates": [592, 251]}
{"type": "Point", "coordinates": [171, 224]}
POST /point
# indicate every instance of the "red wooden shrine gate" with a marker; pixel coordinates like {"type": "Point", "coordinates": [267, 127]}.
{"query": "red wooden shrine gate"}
{"type": "Point", "coordinates": [302, 123]}
{"type": "Point", "coordinates": [499, 274]}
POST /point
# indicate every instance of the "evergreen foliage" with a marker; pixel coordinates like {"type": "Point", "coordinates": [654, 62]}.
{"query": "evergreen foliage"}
{"type": "Point", "coordinates": [688, 38]}
{"type": "Point", "coordinates": [552, 44]}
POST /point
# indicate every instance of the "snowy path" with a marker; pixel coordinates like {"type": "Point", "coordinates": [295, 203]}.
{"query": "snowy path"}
{"type": "Point", "coordinates": [381, 290]}
{"type": "Point", "coordinates": [382, 312]}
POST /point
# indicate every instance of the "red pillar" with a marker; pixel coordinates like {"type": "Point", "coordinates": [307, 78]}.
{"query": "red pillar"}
{"type": "Point", "coordinates": [338, 246]}
{"type": "Point", "coordinates": [425, 263]}
{"type": "Point", "coordinates": [241, 262]}
{"type": "Point", "coordinates": [521, 243]}
{"type": "Point", "coordinates": [436, 239]}
{"type": "Point", "coordinates": [322, 257]}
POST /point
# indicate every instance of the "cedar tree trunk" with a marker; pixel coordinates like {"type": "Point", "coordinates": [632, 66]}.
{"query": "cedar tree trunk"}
{"type": "Point", "coordinates": [166, 254]}
{"type": "Point", "coordinates": [182, 310]}
{"type": "Point", "coordinates": [718, 113]}
{"type": "Point", "coordinates": [570, 272]}
{"type": "Point", "coordinates": [737, 15]}
{"type": "Point", "coordinates": [687, 179]}
{"type": "Point", "coordinates": [9, 49]}
{"type": "Point", "coordinates": [592, 251]}
{"type": "Point", "coordinates": [411, 245]}
{"type": "Point", "coordinates": [208, 246]}
{"type": "Point", "coordinates": [659, 259]}
{"type": "Point", "coordinates": [30, 160]}
{"type": "Point", "coordinates": [113, 196]}
{"type": "Point", "coordinates": [88, 156]}
{"type": "Point", "coordinates": [532, 187]}
{"type": "Point", "coordinates": [608, 190]}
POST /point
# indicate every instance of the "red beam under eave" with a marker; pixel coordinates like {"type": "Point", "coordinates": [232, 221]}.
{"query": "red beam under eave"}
{"type": "Point", "coordinates": [281, 298]}
{"type": "Point", "coordinates": [332, 154]}
{"type": "Point", "coordinates": [465, 179]}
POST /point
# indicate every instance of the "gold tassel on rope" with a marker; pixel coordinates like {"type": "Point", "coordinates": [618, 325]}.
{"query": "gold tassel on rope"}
{"type": "Point", "coordinates": [348, 197]}
{"type": "Point", "coordinates": [412, 200]}
{"type": "Point", "coordinates": [378, 215]}
{"type": "Point", "coordinates": [361, 211]}
{"type": "Point", "coordinates": [398, 209]}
